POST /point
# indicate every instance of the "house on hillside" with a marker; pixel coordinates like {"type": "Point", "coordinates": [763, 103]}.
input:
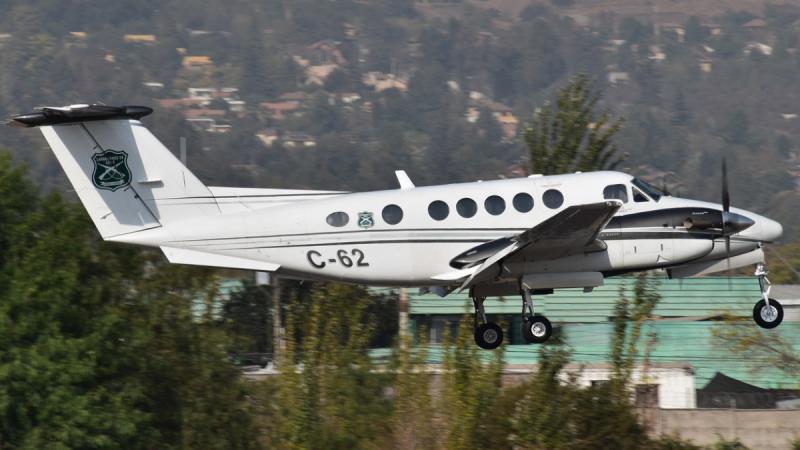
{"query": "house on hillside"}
{"type": "Point", "coordinates": [617, 77]}
{"type": "Point", "coordinates": [678, 29]}
{"type": "Point", "coordinates": [294, 139]}
{"type": "Point", "coordinates": [76, 39]}
{"type": "Point", "coordinates": [267, 136]}
{"type": "Point", "coordinates": [380, 81]}
{"type": "Point", "coordinates": [319, 73]}
{"type": "Point", "coordinates": [325, 52]}
{"type": "Point", "coordinates": [280, 110]}
{"type": "Point", "coordinates": [198, 62]}
{"type": "Point", "coordinates": [759, 47]}
{"type": "Point", "coordinates": [139, 38]}
{"type": "Point", "coordinates": [755, 24]}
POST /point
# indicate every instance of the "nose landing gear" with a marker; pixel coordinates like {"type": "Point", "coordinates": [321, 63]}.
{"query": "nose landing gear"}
{"type": "Point", "coordinates": [767, 313]}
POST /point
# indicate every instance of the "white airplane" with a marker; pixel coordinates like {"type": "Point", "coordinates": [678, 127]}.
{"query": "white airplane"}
{"type": "Point", "coordinates": [517, 236]}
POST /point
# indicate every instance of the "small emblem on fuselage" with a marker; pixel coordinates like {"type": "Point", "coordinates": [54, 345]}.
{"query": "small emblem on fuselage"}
{"type": "Point", "coordinates": [365, 220]}
{"type": "Point", "coordinates": [111, 170]}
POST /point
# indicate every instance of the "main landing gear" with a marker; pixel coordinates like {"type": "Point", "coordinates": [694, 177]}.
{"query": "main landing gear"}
{"type": "Point", "coordinates": [535, 328]}
{"type": "Point", "coordinates": [767, 313]}
{"type": "Point", "coordinates": [488, 335]}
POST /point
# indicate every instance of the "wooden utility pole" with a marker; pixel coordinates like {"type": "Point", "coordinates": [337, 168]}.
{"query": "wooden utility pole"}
{"type": "Point", "coordinates": [402, 319]}
{"type": "Point", "coordinates": [277, 329]}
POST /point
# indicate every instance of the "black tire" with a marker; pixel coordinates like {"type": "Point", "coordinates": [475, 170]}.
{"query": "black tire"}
{"type": "Point", "coordinates": [488, 336]}
{"type": "Point", "coordinates": [760, 314]}
{"type": "Point", "coordinates": [537, 329]}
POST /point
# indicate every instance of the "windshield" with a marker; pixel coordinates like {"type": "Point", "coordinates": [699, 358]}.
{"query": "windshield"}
{"type": "Point", "coordinates": [648, 189]}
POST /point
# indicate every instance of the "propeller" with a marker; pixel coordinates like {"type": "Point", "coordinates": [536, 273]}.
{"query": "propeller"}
{"type": "Point", "coordinates": [726, 207]}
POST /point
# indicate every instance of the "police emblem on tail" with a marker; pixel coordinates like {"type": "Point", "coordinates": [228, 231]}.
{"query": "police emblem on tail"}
{"type": "Point", "coordinates": [111, 170]}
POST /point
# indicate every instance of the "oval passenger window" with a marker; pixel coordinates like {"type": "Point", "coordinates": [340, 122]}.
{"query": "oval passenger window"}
{"type": "Point", "coordinates": [338, 219]}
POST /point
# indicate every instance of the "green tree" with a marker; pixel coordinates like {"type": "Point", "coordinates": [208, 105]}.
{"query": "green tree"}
{"type": "Point", "coordinates": [571, 135]}
{"type": "Point", "coordinates": [328, 395]}
{"type": "Point", "coordinates": [413, 420]}
{"type": "Point", "coordinates": [696, 33]}
{"type": "Point", "coordinates": [98, 346]}
{"type": "Point", "coordinates": [248, 318]}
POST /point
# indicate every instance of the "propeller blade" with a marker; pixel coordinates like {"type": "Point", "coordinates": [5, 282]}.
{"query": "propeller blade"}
{"type": "Point", "coordinates": [728, 255]}
{"type": "Point", "coordinates": [726, 197]}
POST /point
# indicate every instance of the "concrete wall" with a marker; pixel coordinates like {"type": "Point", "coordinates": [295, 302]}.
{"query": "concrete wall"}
{"type": "Point", "coordinates": [757, 429]}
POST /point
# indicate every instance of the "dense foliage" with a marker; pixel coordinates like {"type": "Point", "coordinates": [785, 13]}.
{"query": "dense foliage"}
{"type": "Point", "coordinates": [99, 347]}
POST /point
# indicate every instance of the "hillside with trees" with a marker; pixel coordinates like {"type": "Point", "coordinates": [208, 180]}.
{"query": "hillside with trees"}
{"type": "Point", "coordinates": [340, 94]}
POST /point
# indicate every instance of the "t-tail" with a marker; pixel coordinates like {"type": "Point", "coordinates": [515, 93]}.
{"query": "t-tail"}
{"type": "Point", "coordinates": [124, 176]}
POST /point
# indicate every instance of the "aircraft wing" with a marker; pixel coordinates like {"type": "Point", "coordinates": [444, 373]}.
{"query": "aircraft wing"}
{"type": "Point", "coordinates": [573, 230]}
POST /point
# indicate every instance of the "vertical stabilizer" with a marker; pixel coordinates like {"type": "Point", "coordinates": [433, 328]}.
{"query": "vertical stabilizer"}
{"type": "Point", "coordinates": [126, 179]}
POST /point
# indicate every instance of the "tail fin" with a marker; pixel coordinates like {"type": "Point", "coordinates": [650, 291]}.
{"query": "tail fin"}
{"type": "Point", "coordinates": [126, 179]}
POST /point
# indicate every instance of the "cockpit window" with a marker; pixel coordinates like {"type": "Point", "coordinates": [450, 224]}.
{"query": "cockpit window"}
{"type": "Point", "coordinates": [648, 189]}
{"type": "Point", "coordinates": [616, 192]}
{"type": "Point", "coordinates": [638, 197]}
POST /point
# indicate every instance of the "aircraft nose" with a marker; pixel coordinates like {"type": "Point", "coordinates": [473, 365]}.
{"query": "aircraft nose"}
{"type": "Point", "coordinates": [770, 230]}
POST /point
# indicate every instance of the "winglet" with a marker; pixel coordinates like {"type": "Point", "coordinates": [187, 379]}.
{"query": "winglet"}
{"type": "Point", "coordinates": [403, 179]}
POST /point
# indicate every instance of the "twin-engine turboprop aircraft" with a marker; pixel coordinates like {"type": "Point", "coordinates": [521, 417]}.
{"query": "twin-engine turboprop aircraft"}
{"type": "Point", "coordinates": [519, 236]}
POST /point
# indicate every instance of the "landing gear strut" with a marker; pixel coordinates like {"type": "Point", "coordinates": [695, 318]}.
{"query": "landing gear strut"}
{"type": "Point", "coordinates": [488, 335]}
{"type": "Point", "coordinates": [535, 328]}
{"type": "Point", "coordinates": [767, 313]}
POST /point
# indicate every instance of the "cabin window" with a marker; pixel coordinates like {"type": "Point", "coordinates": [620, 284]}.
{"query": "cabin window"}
{"type": "Point", "coordinates": [392, 214]}
{"type": "Point", "coordinates": [438, 210]}
{"type": "Point", "coordinates": [553, 198]}
{"type": "Point", "coordinates": [523, 202]}
{"type": "Point", "coordinates": [338, 219]}
{"type": "Point", "coordinates": [616, 192]}
{"type": "Point", "coordinates": [495, 205]}
{"type": "Point", "coordinates": [466, 207]}
{"type": "Point", "coordinates": [638, 196]}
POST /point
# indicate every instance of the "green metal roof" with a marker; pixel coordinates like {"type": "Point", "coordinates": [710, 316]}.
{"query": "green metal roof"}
{"type": "Point", "coordinates": [688, 342]}
{"type": "Point", "coordinates": [583, 320]}
{"type": "Point", "coordinates": [679, 298]}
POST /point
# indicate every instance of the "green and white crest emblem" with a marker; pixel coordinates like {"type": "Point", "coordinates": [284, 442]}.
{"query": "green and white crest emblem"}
{"type": "Point", "coordinates": [111, 170]}
{"type": "Point", "coordinates": [365, 220]}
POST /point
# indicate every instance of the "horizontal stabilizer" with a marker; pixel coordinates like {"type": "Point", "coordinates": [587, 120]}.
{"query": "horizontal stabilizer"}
{"type": "Point", "coordinates": [198, 258]}
{"type": "Point", "coordinates": [78, 114]}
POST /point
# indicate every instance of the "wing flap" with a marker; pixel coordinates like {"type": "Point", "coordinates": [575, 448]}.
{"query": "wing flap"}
{"type": "Point", "coordinates": [198, 258]}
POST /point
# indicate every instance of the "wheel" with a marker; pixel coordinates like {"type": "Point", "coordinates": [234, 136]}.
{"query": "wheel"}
{"type": "Point", "coordinates": [768, 317]}
{"type": "Point", "coordinates": [488, 336]}
{"type": "Point", "coordinates": [537, 329]}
